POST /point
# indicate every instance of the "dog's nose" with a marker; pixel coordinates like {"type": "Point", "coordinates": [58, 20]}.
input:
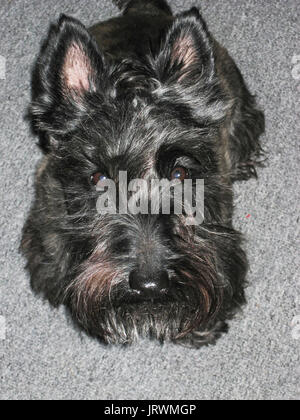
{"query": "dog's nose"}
{"type": "Point", "coordinates": [149, 285]}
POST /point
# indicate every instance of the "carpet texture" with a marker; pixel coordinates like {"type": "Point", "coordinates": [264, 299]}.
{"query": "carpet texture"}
{"type": "Point", "coordinates": [42, 356]}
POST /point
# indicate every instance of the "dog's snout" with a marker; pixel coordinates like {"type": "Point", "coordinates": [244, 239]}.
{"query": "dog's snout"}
{"type": "Point", "coordinates": [149, 285]}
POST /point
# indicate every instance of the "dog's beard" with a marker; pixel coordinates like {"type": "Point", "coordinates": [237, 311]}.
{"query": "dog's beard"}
{"type": "Point", "coordinates": [169, 320]}
{"type": "Point", "coordinates": [125, 319]}
{"type": "Point", "coordinates": [104, 306]}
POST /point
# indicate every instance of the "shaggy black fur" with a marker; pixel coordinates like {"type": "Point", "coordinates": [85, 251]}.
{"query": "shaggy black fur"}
{"type": "Point", "coordinates": [144, 93]}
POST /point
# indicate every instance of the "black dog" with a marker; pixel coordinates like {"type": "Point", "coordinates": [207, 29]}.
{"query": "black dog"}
{"type": "Point", "coordinates": [156, 96]}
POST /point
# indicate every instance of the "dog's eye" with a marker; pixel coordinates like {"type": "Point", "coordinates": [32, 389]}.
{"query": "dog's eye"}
{"type": "Point", "coordinates": [179, 173]}
{"type": "Point", "coordinates": [98, 176]}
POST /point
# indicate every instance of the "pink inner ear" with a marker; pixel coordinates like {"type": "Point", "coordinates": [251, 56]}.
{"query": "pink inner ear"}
{"type": "Point", "coordinates": [77, 70]}
{"type": "Point", "coordinates": [185, 52]}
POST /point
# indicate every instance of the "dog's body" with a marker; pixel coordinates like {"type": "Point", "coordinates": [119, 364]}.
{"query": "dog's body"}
{"type": "Point", "coordinates": [156, 96]}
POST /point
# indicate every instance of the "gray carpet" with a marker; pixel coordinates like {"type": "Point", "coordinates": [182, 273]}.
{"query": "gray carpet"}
{"type": "Point", "coordinates": [42, 356]}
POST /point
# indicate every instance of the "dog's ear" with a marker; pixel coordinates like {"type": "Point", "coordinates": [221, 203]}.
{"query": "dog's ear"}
{"type": "Point", "coordinates": [67, 72]}
{"type": "Point", "coordinates": [186, 49]}
{"type": "Point", "coordinates": [185, 64]}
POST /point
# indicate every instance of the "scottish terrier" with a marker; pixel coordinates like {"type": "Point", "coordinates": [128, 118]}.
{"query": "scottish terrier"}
{"type": "Point", "coordinates": [155, 96]}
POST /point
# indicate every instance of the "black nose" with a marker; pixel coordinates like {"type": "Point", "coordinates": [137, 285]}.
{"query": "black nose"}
{"type": "Point", "coordinates": [149, 285]}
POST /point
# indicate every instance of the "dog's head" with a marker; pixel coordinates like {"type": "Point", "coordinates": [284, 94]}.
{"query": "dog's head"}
{"type": "Point", "coordinates": [157, 118]}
